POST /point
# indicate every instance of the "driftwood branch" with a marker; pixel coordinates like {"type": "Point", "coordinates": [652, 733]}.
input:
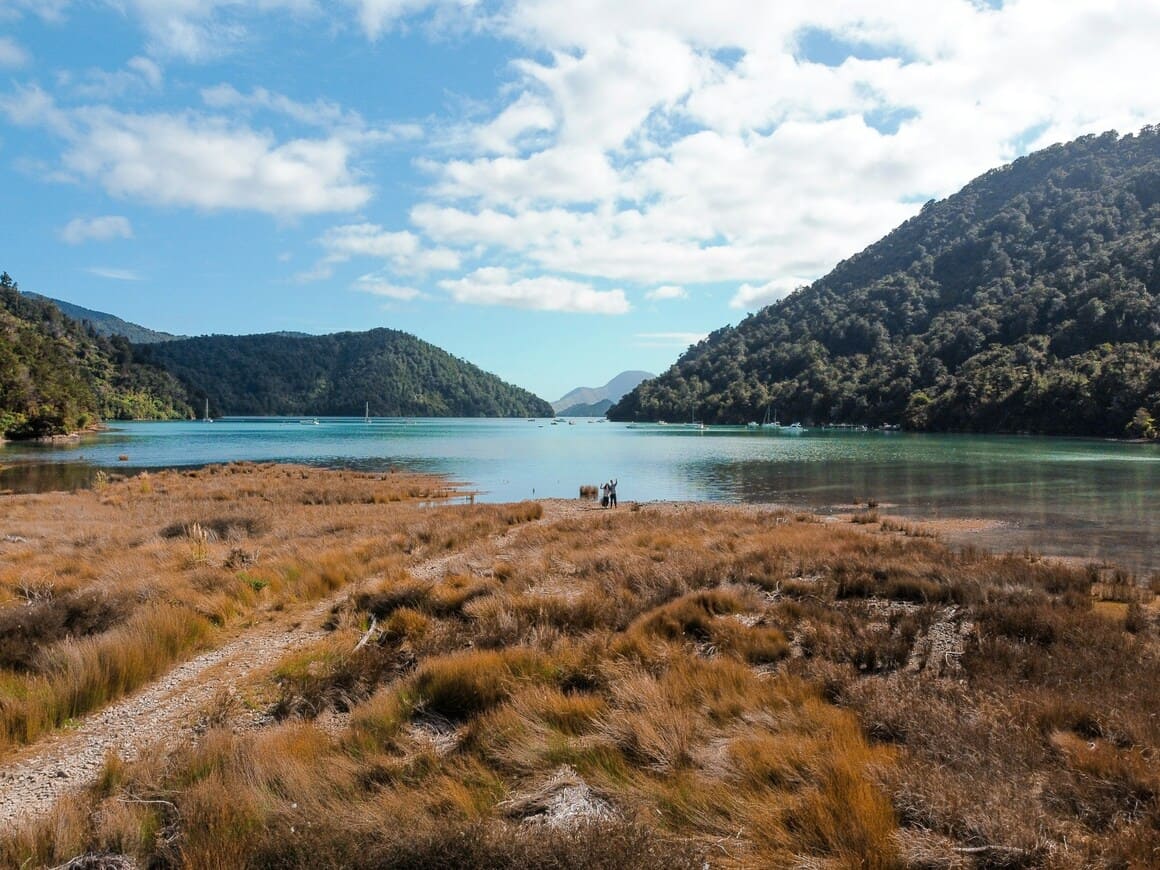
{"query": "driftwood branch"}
{"type": "Point", "coordinates": [367, 636]}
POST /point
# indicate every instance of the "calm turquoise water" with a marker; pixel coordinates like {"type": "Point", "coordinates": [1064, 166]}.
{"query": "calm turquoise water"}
{"type": "Point", "coordinates": [1061, 496]}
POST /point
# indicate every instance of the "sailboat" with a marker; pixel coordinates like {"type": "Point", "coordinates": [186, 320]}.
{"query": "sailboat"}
{"type": "Point", "coordinates": [367, 413]}
{"type": "Point", "coordinates": [207, 418]}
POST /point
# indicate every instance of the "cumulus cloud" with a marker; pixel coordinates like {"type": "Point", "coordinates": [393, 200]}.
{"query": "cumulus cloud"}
{"type": "Point", "coordinates": [194, 160]}
{"type": "Point", "coordinates": [669, 291]}
{"type": "Point", "coordinates": [381, 16]}
{"type": "Point", "coordinates": [649, 144]}
{"type": "Point", "coordinates": [495, 285]}
{"type": "Point", "coordinates": [98, 229]}
{"type": "Point", "coordinates": [140, 74]}
{"type": "Point", "coordinates": [749, 297]}
{"type": "Point", "coordinates": [209, 164]}
{"type": "Point", "coordinates": [378, 286]}
{"type": "Point", "coordinates": [402, 249]}
{"type": "Point", "coordinates": [12, 55]}
{"type": "Point", "coordinates": [324, 114]}
{"type": "Point", "coordinates": [655, 142]}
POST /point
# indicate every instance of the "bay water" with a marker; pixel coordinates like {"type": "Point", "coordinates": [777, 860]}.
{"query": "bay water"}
{"type": "Point", "coordinates": [1091, 499]}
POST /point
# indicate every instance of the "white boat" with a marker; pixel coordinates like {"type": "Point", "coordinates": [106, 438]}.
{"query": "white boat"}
{"type": "Point", "coordinates": [367, 413]}
{"type": "Point", "coordinates": [767, 423]}
{"type": "Point", "coordinates": [311, 422]}
{"type": "Point", "coordinates": [207, 418]}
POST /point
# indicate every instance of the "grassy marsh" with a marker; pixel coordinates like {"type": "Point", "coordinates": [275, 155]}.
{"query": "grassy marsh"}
{"type": "Point", "coordinates": [558, 686]}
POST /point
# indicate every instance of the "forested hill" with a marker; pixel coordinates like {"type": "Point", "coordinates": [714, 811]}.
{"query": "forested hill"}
{"type": "Point", "coordinates": [338, 374]}
{"type": "Point", "coordinates": [56, 376]}
{"type": "Point", "coordinates": [1027, 302]}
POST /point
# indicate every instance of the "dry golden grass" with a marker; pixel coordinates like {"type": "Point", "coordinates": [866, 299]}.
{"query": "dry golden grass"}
{"type": "Point", "coordinates": [112, 586]}
{"type": "Point", "coordinates": [696, 685]}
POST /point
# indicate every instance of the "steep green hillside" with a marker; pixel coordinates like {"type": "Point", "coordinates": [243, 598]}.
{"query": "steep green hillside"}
{"type": "Point", "coordinates": [1027, 302]}
{"type": "Point", "coordinates": [338, 374]}
{"type": "Point", "coordinates": [58, 377]}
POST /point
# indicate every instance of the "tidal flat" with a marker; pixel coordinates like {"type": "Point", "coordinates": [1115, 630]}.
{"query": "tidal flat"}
{"type": "Point", "coordinates": [376, 673]}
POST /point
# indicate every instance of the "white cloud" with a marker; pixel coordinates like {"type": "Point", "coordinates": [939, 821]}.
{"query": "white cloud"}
{"type": "Point", "coordinates": [48, 10]}
{"type": "Point", "coordinates": [566, 175]}
{"type": "Point", "coordinates": [208, 164]}
{"type": "Point", "coordinates": [495, 285]}
{"type": "Point", "coordinates": [679, 340]}
{"type": "Point", "coordinates": [655, 142]}
{"type": "Point", "coordinates": [402, 249]}
{"type": "Point", "coordinates": [12, 55]}
{"type": "Point", "coordinates": [379, 16]}
{"type": "Point", "coordinates": [527, 116]}
{"type": "Point", "coordinates": [32, 107]}
{"type": "Point", "coordinates": [368, 240]}
{"type": "Point", "coordinates": [750, 298]}
{"type": "Point", "coordinates": [200, 30]}
{"type": "Point", "coordinates": [669, 291]}
{"type": "Point", "coordinates": [650, 143]}
{"type": "Point", "coordinates": [98, 229]}
{"type": "Point", "coordinates": [377, 286]}
{"type": "Point", "coordinates": [197, 161]}
{"type": "Point", "coordinates": [139, 75]}
{"type": "Point", "coordinates": [114, 274]}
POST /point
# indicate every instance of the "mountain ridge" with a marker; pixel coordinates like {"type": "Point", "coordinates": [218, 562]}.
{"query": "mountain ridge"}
{"type": "Point", "coordinates": [613, 391]}
{"type": "Point", "coordinates": [107, 324]}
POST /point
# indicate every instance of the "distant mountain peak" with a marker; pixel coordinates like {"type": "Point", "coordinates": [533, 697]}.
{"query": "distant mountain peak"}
{"type": "Point", "coordinates": [612, 391]}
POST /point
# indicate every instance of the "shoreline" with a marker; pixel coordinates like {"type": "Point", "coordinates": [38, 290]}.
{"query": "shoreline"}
{"type": "Point", "coordinates": [1060, 538]}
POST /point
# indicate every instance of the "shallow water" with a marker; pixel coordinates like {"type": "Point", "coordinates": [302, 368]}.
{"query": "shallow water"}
{"type": "Point", "coordinates": [1087, 498]}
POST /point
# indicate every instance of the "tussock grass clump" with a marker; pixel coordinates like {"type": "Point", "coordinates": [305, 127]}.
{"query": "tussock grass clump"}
{"type": "Point", "coordinates": [26, 631]}
{"type": "Point", "coordinates": [465, 684]}
{"type": "Point", "coordinates": [333, 675]}
{"type": "Point", "coordinates": [75, 677]}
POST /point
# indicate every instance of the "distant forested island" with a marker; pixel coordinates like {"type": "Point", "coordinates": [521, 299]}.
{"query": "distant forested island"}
{"type": "Point", "coordinates": [1027, 302]}
{"type": "Point", "coordinates": [397, 374]}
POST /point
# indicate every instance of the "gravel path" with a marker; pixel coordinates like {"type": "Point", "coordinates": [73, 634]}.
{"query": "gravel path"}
{"type": "Point", "coordinates": [32, 781]}
{"type": "Point", "coordinates": [34, 778]}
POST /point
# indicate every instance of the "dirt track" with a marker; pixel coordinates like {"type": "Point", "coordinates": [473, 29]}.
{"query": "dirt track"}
{"type": "Point", "coordinates": [167, 712]}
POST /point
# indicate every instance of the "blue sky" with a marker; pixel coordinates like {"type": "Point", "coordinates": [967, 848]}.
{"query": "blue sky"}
{"type": "Point", "coordinates": [555, 191]}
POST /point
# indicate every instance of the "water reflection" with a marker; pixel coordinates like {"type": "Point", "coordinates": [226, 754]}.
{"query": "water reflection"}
{"type": "Point", "coordinates": [46, 477]}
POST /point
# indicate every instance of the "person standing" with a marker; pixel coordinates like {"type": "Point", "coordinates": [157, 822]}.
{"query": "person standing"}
{"type": "Point", "coordinates": [604, 494]}
{"type": "Point", "coordinates": [612, 493]}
